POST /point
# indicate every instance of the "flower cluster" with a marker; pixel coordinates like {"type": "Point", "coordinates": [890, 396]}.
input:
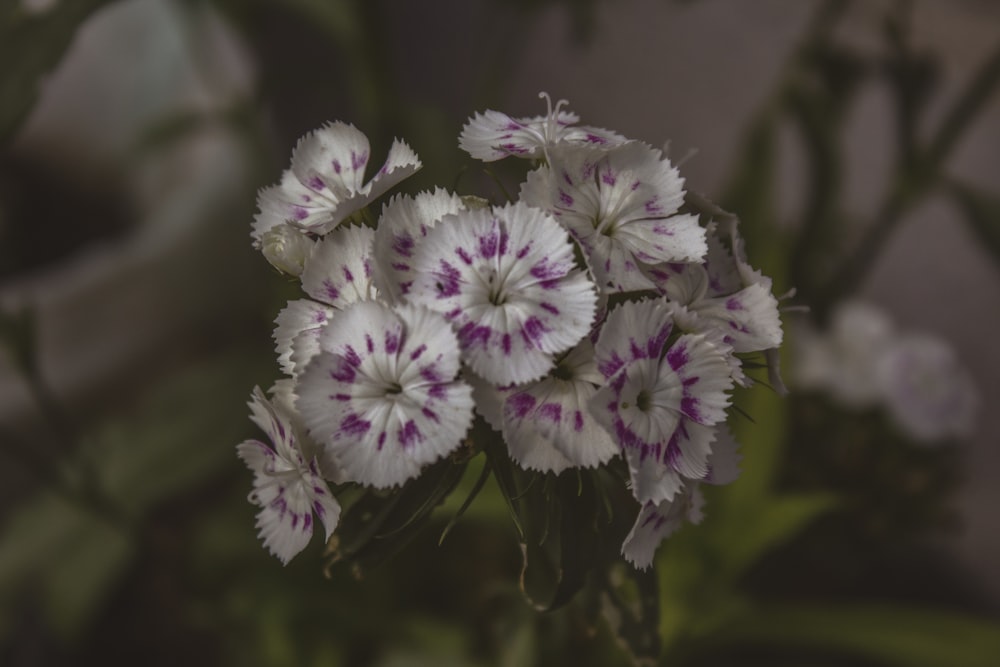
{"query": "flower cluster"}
{"type": "Point", "coordinates": [863, 362]}
{"type": "Point", "coordinates": [591, 319]}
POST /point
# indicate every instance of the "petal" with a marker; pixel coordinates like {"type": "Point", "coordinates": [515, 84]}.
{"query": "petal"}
{"type": "Point", "coordinates": [705, 373]}
{"type": "Point", "coordinates": [276, 426]}
{"type": "Point", "coordinates": [724, 462]}
{"type": "Point", "coordinates": [339, 272]}
{"type": "Point", "coordinates": [301, 320]}
{"type": "Point", "coordinates": [331, 161]}
{"type": "Point", "coordinates": [548, 427]}
{"type": "Point", "coordinates": [749, 318]}
{"type": "Point", "coordinates": [656, 522]}
{"type": "Point", "coordinates": [632, 331]}
{"type": "Point", "coordinates": [493, 135]}
{"type": "Point", "coordinates": [400, 164]}
{"type": "Point", "coordinates": [403, 224]}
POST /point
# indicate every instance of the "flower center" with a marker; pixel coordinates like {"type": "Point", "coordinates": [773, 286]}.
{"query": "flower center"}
{"type": "Point", "coordinates": [643, 401]}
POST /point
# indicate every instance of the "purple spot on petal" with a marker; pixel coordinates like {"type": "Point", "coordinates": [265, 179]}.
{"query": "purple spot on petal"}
{"type": "Point", "coordinates": [733, 303]}
{"type": "Point", "coordinates": [532, 331]}
{"type": "Point", "coordinates": [677, 356]}
{"type": "Point", "coordinates": [369, 343]}
{"type": "Point", "coordinates": [391, 342]}
{"type": "Point", "coordinates": [316, 183]}
{"type": "Point", "coordinates": [336, 166]}
{"type": "Point", "coordinates": [689, 406]}
{"type": "Point", "coordinates": [505, 342]}
{"type": "Point", "coordinates": [300, 213]}
{"type": "Point", "coordinates": [348, 275]}
{"type": "Point", "coordinates": [448, 278]}
{"type": "Point", "coordinates": [354, 425]}
{"type": "Point", "coordinates": [417, 352]}
{"type": "Point", "coordinates": [463, 255]}
{"type": "Point", "coordinates": [545, 270]}
{"type": "Point", "coordinates": [409, 435]}
{"type": "Point", "coordinates": [549, 307]}
{"type": "Point", "coordinates": [332, 293]}
{"type": "Point", "coordinates": [577, 421]}
{"type": "Point", "coordinates": [343, 371]}
{"type": "Point", "coordinates": [488, 246]}
{"type": "Point", "coordinates": [358, 160]}
{"type": "Point", "coordinates": [521, 404]}
{"type": "Point", "coordinates": [402, 244]}
{"type": "Point", "coordinates": [381, 441]}
{"type": "Point", "coordinates": [524, 251]}
{"type": "Point", "coordinates": [430, 414]}
{"type": "Point", "coordinates": [550, 411]}
{"type": "Point", "coordinates": [472, 333]}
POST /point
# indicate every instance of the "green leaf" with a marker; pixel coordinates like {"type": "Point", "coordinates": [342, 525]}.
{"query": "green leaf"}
{"type": "Point", "coordinates": [744, 534]}
{"type": "Point", "coordinates": [563, 538]}
{"type": "Point", "coordinates": [904, 636]}
{"type": "Point", "coordinates": [484, 475]}
{"type": "Point", "coordinates": [982, 213]}
{"type": "Point", "coordinates": [18, 333]}
{"type": "Point", "coordinates": [30, 47]}
{"type": "Point", "coordinates": [68, 553]}
{"type": "Point", "coordinates": [181, 433]}
{"type": "Point", "coordinates": [380, 524]}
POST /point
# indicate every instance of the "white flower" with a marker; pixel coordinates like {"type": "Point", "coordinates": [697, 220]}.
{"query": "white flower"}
{"type": "Point", "coordinates": [547, 424]}
{"type": "Point", "coordinates": [338, 273]}
{"type": "Point", "coordinates": [494, 135]}
{"type": "Point", "coordinates": [722, 294]}
{"type": "Point", "coordinates": [507, 281]}
{"type": "Point", "coordinates": [844, 360]}
{"type": "Point", "coordinates": [287, 487]}
{"type": "Point", "coordinates": [621, 204]}
{"type": "Point", "coordinates": [927, 391]}
{"type": "Point", "coordinates": [382, 395]}
{"type": "Point", "coordinates": [403, 224]}
{"type": "Point", "coordinates": [326, 181]}
{"type": "Point", "coordinates": [657, 521]}
{"type": "Point", "coordinates": [660, 404]}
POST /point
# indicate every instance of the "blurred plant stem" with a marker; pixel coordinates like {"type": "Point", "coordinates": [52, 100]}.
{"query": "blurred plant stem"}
{"type": "Point", "coordinates": [916, 179]}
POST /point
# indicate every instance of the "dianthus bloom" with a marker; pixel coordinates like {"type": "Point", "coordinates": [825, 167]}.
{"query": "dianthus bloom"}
{"type": "Point", "coordinates": [382, 395]}
{"type": "Point", "coordinates": [622, 205]}
{"type": "Point", "coordinates": [493, 135]}
{"type": "Point", "coordinates": [287, 487]}
{"type": "Point", "coordinates": [325, 183]}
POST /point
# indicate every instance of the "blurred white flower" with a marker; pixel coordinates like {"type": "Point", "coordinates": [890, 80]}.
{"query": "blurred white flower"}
{"type": "Point", "coordinates": [864, 362]}
{"type": "Point", "coordinates": [926, 390]}
{"type": "Point", "coordinates": [843, 361]}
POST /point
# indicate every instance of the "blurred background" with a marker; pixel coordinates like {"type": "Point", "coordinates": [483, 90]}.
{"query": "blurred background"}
{"type": "Point", "coordinates": [859, 142]}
